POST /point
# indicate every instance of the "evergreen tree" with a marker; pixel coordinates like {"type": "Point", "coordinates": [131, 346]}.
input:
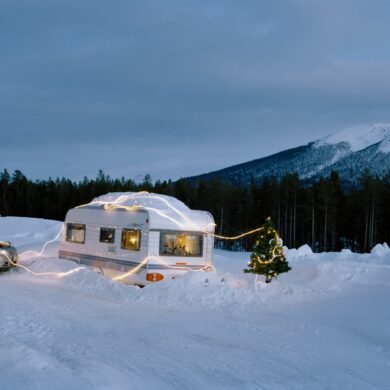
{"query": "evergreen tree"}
{"type": "Point", "coordinates": [268, 257]}
{"type": "Point", "coordinates": [326, 214]}
{"type": "Point", "coordinates": [4, 184]}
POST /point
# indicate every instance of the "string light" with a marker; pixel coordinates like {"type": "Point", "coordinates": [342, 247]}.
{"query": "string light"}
{"type": "Point", "coordinates": [145, 261]}
{"type": "Point", "coordinates": [35, 253]}
{"type": "Point", "coordinates": [118, 203]}
{"type": "Point", "coordinates": [132, 271]}
{"type": "Point", "coordinates": [235, 237]}
{"type": "Point", "coordinates": [58, 274]}
{"type": "Point", "coordinates": [40, 253]}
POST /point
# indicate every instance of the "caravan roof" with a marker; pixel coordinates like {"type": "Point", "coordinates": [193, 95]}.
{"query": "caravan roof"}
{"type": "Point", "coordinates": [165, 212]}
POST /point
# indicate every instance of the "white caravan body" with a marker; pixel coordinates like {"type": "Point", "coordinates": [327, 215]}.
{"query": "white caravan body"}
{"type": "Point", "coordinates": [138, 237]}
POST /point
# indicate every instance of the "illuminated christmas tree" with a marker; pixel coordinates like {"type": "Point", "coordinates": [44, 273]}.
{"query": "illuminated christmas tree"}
{"type": "Point", "coordinates": [268, 257]}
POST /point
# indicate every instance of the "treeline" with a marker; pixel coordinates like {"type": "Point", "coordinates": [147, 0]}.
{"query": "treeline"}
{"type": "Point", "coordinates": [323, 214]}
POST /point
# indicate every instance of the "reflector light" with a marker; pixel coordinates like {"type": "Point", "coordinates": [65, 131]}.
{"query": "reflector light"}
{"type": "Point", "coordinates": [154, 277]}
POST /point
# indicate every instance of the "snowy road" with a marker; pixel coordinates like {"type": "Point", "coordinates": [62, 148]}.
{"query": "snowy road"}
{"type": "Point", "coordinates": [325, 325]}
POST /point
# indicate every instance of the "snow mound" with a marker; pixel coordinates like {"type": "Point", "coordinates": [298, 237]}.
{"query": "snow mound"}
{"type": "Point", "coordinates": [23, 231]}
{"type": "Point", "coordinates": [358, 137]}
{"type": "Point", "coordinates": [381, 250]}
{"type": "Point", "coordinates": [302, 251]}
{"type": "Point", "coordinates": [30, 234]}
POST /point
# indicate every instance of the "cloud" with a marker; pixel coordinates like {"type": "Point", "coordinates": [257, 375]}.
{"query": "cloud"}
{"type": "Point", "coordinates": [192, 84]}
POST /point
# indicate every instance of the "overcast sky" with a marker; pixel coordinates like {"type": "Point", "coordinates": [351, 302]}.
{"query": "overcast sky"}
{"type": "Point", "coordinates": [175, 87]}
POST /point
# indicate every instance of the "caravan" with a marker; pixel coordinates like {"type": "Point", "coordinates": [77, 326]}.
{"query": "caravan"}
{"type": "Point", "coordinates": [138, 237]}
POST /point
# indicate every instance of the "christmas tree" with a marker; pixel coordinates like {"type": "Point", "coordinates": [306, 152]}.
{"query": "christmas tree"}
{"type": "Point", "coordinates": [268, 257]}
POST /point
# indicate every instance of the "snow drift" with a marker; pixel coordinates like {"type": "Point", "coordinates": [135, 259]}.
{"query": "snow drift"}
{"type": "Point", "coordinates": [323, 325]}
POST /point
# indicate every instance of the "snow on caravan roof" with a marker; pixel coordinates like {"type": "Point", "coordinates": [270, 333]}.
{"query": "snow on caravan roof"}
{"type": "Point", "coordinates": [165, 212]}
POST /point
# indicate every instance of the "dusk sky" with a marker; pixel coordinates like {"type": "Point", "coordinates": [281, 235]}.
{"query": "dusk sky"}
{"type": "Point", "coordinates": [177, 88]}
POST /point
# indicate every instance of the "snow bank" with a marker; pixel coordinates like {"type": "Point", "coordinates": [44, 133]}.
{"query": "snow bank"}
{"type": "Point", "coordinates": [301, 252]}
{"type": "Point", "coordinates": [323, 325]}
{"type": "Point", "coordinates": [22, 231]}
{"type": "Point", "coordinates": [30, 233]}
{"type": "Point", "coordinates": [381, 250]}
{"type": "Point", "coordinates": [313, 275]}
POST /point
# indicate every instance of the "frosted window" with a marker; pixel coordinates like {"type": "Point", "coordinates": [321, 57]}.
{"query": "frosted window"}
{"type": "Point", "coordinates": [75, 232]}
{"type": "Point", "coordinates": [181, 244]}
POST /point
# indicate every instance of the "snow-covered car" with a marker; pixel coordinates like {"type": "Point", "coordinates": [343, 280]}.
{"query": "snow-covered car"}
{"type": "Point", "coordinates": [8, 255]}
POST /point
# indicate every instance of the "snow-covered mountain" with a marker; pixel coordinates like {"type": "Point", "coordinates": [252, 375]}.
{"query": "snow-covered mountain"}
{"type": "Point", "coordinates": [349, 152]}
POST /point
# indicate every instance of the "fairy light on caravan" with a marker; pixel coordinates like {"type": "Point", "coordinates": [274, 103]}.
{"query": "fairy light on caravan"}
{"type": "Point", "coordinates": [138, 238]}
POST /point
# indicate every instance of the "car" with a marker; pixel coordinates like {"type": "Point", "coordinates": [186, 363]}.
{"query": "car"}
{"type": "Point", "coordinates": [8, 256]}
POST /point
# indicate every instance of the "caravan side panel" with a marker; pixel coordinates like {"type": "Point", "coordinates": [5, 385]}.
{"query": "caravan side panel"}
{"type": "Point", "coordinates": [168, 256]}
{"type": "Point", "coordinates": [109, 259]}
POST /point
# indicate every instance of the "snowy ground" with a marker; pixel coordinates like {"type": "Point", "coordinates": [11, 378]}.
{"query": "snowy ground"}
{"type": "Point", "coordinates": [324, 325]}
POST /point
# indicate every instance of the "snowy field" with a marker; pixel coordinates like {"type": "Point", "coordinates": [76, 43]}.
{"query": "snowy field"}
{"type": "Point", "coordinates": [324, 325]}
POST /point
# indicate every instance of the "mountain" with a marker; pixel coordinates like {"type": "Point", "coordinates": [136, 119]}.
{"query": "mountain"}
{"type": "Point", "coordinates": [349, 152]}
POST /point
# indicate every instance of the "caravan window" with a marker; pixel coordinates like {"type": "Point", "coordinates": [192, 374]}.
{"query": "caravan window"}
{"type": "Point", "coordinates": [75, 232]}
{"type": "Point", "coordinates": [107, 235]}
{"type": "Point", "coordinates": [181, 244]}
{"type": "Point", "coordinates": [131, 239]}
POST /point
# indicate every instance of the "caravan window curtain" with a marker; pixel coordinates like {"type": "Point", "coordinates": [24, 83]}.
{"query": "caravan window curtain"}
{"type": "Point", "coordinates": [75, 232]}
{"type": "Point", "coordinates": [181, 244]}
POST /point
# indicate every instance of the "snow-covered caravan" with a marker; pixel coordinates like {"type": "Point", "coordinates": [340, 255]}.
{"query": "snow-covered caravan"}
{"type": "Point", "coordinates": [138, 237]}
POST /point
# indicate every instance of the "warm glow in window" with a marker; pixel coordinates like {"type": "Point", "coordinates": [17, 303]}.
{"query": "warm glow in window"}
{"type": "Point", "coordinates": [75, 232]}
{"type": "Point", "coordinates": [181, 244]}
{"type": "Point", "coordinates": [131, 239]}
